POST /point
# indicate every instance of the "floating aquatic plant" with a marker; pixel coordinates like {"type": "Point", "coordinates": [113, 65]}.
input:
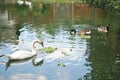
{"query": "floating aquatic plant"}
{"type": "Point", "coordinates": [48, 49]}
{"type": "Point", "coordinates": [61, 64]}
{"type": "Point", "coordinates": [85, 36]}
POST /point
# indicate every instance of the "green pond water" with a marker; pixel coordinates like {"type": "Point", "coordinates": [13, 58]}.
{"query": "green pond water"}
{"type": "Point", "coordinates": [86, 57]}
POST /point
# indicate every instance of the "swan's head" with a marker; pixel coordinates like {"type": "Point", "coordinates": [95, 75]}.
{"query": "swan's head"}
{"type": "Point", "coordinates": [39, 42]}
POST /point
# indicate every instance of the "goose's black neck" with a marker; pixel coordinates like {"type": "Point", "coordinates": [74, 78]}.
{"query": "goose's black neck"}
{"type": "Point", "coordinates": [73, 31]}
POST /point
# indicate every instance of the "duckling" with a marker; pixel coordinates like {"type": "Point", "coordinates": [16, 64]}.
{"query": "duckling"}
{"type": "Point", "coordinates": [104, 29]}
{"type": "Point", "coordinates": [81, 32]}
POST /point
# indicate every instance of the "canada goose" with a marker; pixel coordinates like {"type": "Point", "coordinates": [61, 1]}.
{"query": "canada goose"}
{"type": "Point", "coordinates": [103, 28]}
{"type": "Point", "coordinates": [19, 55]}
{"type": "Point", "coordinates": [82, 32]}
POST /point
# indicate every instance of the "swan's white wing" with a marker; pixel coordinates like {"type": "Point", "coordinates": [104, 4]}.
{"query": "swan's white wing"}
{"type": "Point", "coordinates": [21, 55]}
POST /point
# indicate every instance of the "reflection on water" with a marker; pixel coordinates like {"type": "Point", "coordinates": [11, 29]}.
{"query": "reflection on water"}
{"type": "Point", "coordinates": [76, 57]}
{"type": "Point", "coordinates": [19, 76]}
{"type": "Point", "coordinates": [8, 64]}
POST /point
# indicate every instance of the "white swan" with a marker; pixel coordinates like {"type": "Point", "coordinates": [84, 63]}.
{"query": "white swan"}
{"type": "Point", "coordinates": [19, 55]}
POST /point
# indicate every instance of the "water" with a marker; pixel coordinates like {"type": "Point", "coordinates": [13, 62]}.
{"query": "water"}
{"type": "Point", "coordinates": [92, 57]}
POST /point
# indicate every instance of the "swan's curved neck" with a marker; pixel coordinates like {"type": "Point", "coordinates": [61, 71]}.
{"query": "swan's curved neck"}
{"type": "Point", "coordinates": [33, 45]}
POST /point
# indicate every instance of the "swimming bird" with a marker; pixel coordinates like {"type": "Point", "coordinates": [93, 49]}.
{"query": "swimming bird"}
{"type": "Point", "coordinates": [19, 55]}
{"type": "Point", "coordinates": [81, 32]}
{"type": "Point", "coordinates": [103, 28]}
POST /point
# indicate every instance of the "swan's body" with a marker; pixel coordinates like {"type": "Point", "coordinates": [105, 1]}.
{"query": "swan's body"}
{"type": "Point", "coordinates": [19, 55]}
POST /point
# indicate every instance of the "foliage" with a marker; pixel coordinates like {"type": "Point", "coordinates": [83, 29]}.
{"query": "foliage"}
{"type": "Point", "coordinates": [43, 10]}
{"type": "Point", "coordinates": [105, 4]}
{"type": "Point", "coordinates": [48, 49]}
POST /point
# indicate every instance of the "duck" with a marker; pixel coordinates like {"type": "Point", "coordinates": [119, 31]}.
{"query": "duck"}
{"type": "Point", "coordinates": [104, 29]}
{"type": "Point", "coordinates": [81, 32]}
{"type": "Point", "coordinates": [21, 54]}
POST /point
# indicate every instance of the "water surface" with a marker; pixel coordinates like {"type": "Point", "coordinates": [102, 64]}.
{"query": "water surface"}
{"type": "Point", "coordinates": [76, 58]}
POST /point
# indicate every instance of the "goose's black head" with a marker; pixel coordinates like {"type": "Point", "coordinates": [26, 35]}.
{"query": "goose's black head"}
{"type": "Point", "coordinates": [73, 31]}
